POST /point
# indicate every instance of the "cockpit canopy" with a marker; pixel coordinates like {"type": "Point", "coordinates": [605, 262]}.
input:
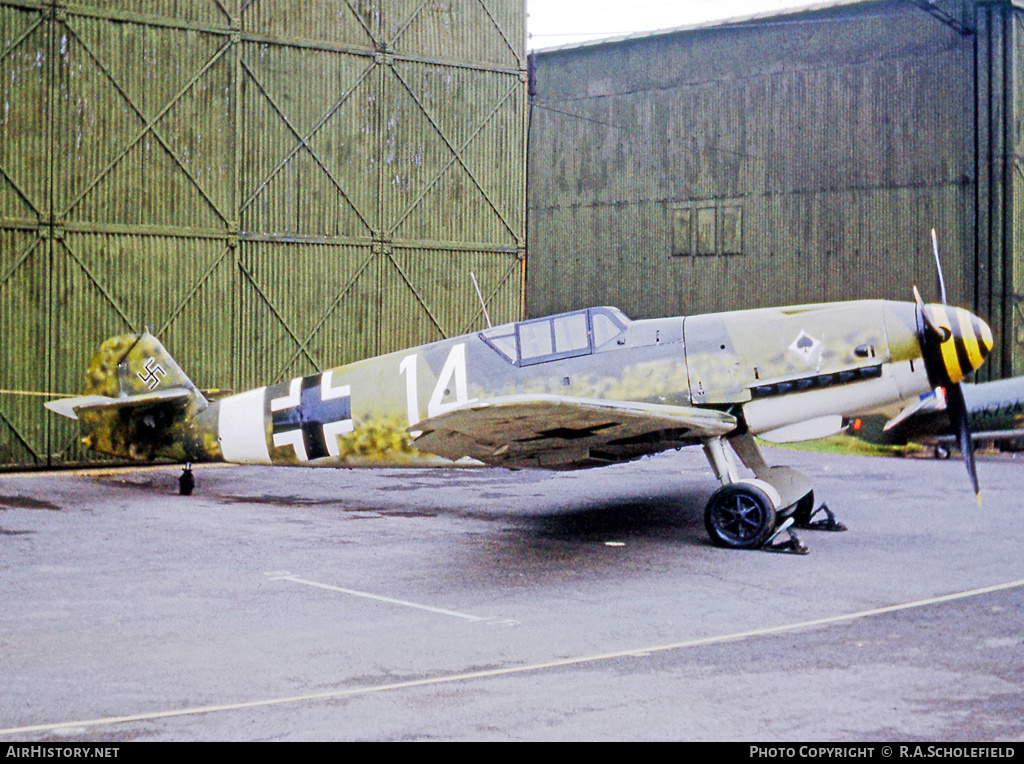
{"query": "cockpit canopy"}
{"type": "Point", "coordinates": [553, 338]}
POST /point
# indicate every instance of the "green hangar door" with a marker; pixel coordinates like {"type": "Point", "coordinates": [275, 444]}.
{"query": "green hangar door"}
{"type": "Point", "coordinates": [271, 188]}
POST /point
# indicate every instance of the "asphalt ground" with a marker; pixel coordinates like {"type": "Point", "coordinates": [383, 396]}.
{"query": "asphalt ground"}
{"type": "Point", "coordinates": [278, 604]}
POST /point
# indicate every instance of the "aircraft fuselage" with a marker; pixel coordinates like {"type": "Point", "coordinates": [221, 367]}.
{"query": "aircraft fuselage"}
{"type": "Point", "coordinates": [777, 367]}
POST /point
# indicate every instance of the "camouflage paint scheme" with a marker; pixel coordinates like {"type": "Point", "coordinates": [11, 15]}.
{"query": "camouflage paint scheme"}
{"type": "Point", "coordinates": [580, 389]}
{"type": "Point", "coordinates": [577, 390]}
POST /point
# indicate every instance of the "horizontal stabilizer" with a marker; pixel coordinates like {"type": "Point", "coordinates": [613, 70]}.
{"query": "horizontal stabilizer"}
{"type": "Point", "coordinates": [70, 407]}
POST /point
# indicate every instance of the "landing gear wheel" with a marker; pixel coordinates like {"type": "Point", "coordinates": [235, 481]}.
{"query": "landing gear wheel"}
{"type": "Point", "coordinates": [739, 516]}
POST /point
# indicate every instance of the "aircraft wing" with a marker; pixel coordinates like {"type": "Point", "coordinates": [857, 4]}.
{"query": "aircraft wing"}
{"type": "Point", "coordinates": [560, 432]}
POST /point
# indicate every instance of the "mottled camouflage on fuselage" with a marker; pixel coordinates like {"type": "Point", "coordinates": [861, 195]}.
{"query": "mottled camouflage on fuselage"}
{"type": "Point", "coordinates": [365, 413]}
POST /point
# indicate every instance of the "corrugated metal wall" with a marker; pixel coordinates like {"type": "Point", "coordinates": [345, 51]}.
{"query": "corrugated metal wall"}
{"type": "Point", "coordinates": [998, 264]}
{"type": "Point", "coordinates": [1012, 287]}
{"type": "Point", "coordinates": [272, 186]}
{"type": "Point", "coordinates": [797, 159]}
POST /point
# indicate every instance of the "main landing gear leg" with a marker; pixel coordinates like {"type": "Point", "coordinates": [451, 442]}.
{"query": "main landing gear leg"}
{"type": "Point", "coordinates": [743, 513]}
{"type": "Point", "coordinates": [803, 512]}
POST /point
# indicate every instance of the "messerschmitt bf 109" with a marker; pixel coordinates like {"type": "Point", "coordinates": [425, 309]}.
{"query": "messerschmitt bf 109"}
{"type": "Point", "coordinates": [576, 390]}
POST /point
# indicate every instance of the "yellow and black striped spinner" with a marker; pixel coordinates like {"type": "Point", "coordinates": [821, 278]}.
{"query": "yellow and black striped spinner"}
{"type": "Point", "coordinates": [957, 344]}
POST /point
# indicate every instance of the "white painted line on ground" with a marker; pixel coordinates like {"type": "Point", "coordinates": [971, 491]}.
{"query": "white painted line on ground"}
{"type": "Point", "coordinates": [633, 652]}
{"type": "Point", "coordinates": [283, 576]}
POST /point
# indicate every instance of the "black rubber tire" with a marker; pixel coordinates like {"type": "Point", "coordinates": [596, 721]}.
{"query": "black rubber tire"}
{"type": "Point", "coordinates": [739, 516]}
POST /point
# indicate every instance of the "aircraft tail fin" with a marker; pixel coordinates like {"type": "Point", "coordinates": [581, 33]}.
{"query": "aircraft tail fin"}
{"type": "Point", "coordinates": [134, 364]}
{"type": "Point", "coordinates": [137, 400]}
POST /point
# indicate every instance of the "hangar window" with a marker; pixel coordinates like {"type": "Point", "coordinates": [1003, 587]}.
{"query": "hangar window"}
{"type": "Point", "coordinates": [682, 231]}
{"type": "Point", "coordinates": [707, 227]}
{"type": "Point", "coordinates": [732, 230]}
{"type": "Point", "coordinates": [556, 337]}
{"type": "Point", "coordinates": [712, 227]}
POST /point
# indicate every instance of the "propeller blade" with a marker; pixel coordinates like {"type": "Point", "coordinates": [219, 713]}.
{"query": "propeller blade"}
{"type": "Point", "coordinates": [953, 344]}
{"type": "Point", "coordinates": [938, 267]}
{"type": "Point", "coordinates": [941, 333]}
{"type": "Point", "coordinates": [957, 408]}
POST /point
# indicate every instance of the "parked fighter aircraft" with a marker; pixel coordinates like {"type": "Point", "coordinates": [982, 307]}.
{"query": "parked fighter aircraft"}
{"type": "Point", "coordinates": [995, 411]}
{"type": "Point", "coordinates": [580, 389]}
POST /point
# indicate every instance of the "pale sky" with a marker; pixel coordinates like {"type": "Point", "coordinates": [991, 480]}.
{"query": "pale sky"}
{"type": "Point", "coordinates": [563, 22]}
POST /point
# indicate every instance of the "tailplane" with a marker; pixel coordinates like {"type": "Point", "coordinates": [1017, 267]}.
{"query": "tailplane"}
{"type": "Point", "coordinates": [137, 401]}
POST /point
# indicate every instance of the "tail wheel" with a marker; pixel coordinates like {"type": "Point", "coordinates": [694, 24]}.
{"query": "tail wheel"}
{"type": "Point", "coordinates": [739, 516]}
{"type": "Point", "coordinates": [186, 482]}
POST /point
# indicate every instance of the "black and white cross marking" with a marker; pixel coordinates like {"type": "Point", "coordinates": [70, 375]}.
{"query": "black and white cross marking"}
{"type": "Point", "coordinates": [312, 416]}
{"type": "Point", "coordinates": [569, 433]}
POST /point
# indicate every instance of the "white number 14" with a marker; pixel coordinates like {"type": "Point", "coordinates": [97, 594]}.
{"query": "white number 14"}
{"type": "Point", "coordinates": [453, 374]}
